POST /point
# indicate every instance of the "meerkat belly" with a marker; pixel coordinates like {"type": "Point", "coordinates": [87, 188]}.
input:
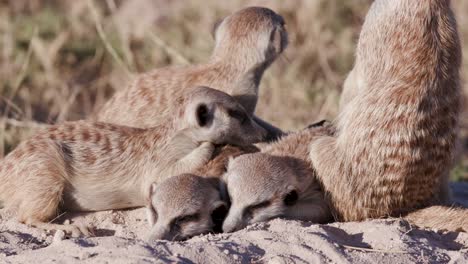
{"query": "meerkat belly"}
{"type": "Point", "coordinates": [116, 192]}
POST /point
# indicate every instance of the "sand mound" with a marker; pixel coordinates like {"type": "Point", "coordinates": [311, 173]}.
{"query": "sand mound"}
{"type": "Point", "coordinates": [120, 240]}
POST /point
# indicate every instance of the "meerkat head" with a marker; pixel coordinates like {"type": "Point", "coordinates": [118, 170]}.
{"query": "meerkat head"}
{"type": "Point", "coordinates": [184, 206]}
{"type": "Point", "coordinates": [253, 34]}
{"type": "Point", "coordinates": [262, 187]}
{"type": "Point", "coordinates": [216, 117]}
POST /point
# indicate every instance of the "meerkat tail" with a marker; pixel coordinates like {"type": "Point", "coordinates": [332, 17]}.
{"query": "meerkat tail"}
{"type": "Point", "coordinates": [440, 217]}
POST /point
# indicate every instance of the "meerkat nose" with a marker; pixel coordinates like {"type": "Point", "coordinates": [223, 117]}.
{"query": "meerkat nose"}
{"type": "Point", "coordinates": [229, 228]}
{"type": "Point", "coordinates": [232, 225]}
{"type": "Point", "coordinates": [159, 234]}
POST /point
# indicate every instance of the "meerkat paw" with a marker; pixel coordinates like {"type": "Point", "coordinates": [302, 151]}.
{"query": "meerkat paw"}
{"type": "Point", "coordinates": [322, 155]}
{"type": "Point", "coordinates": [78, 230]}
{"type": "Point", "coordinates": [198, 157]}
{"type": "Point", "coordinates": [205, 149]}
{"type": "Point", "coordinates": [193, 160]}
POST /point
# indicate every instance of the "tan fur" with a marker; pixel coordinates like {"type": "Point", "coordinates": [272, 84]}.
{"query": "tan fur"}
{"type": "Point", "coordinates": [252, 176]}
{"type": "Point", "coordinates": [88, 166]}
{"type": "Point", "coordinates": [191, 204]}
{"type": "Point", "coordinates": [259, 184]}
{"type": "Point", "coordinates": [441, 218]}
{"type": "Point", "coordinates": [247, 42]}
{"type": "Point", "coordinates": [395, 136]}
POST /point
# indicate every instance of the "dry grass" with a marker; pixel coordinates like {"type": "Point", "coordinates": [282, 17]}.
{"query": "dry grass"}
{"type": "Point", "coordinates": [60, 60]}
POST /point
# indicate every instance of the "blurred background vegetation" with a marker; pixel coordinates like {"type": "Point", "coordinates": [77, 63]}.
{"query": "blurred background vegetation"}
{"type": "Point", "coordinates": [61, 59]}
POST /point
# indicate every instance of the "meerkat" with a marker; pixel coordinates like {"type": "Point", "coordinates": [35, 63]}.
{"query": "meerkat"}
{"type": "Point", "coordinates": [278, 182]}
{"type": "Point", "coordinates": [192, 204]}
{"type": "Point", "coordinates": [85, 166]}
{"type": "Point", "coordinates": [396, 135]}
{"type": "Point", "coordinates": [246, 43]}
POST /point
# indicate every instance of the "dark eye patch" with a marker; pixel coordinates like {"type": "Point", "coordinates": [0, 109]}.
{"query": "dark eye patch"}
{"type": "Point", "coordinates": [202, 115]}
{"type": "Point", "coordinates": [249, 211]}
{"type": "Point", "coordinates": [179, 221]}
{"type": "Point", "coordinates": [237, 115]}
{"type": "Point", "coordinates": [291, 198]}
{"type": "Point", "coordinates": [218, 215]}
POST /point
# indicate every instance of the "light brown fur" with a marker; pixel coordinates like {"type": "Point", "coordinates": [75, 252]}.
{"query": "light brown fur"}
{"type": "Point", "coordinates": [397, 129]}
{"type": "Point", "coordinates": [192, 204]}
{"type": "Point", "coordinates": [247, 42]}
{"type": "Point", "coordinates": [84, 166]}
{"type": "Point", "coordinates": [441, 218]}
{"type": "Point", "coordinates": [279, 182]}
{"type": "Point", "coordinates": [254, 179]}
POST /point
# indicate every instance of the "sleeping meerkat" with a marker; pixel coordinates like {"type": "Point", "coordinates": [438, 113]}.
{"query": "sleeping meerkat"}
{"type": "Point", "coordinates": [187, 205]}
{"type": "Point", "coordinates": [83, 166]}
{"type": "Point", "coordinates": [247, 42]}
{"type": "Point", "coordinates": [396, 135]}
{"type": "Point", "coordinates": [279, 182]}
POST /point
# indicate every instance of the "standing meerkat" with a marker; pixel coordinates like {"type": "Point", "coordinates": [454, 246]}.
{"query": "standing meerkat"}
{"type": "Point", "coordinates": [397, 128]}
{"type": "Point", "coordinates": [83, 166]}
{"type": "Point", "coordinates": [187, 205]}
{"type": "Point", "coordinates": [280, 182]}
{"type": "Point", "coordinates": [247, 42]}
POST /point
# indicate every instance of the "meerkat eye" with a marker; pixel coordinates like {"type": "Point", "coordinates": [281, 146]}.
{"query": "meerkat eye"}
{"type": "Point", "coordinates": [182, 220]}
{"type": "Point", "coordinates": [202, 115]}
{"type": "Point", "coordinates": [249, 211]}
{"type": "Point", "coordinates": [291, 198]}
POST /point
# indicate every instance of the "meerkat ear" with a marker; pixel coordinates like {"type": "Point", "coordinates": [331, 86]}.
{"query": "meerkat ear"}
{"type": "Point", "coordinates": [202, 115]}
{"type": "Point", "coordinates": [151, 213]}
{"type": "Point", "coordinates": [215, 27]}
{"type": "Point", "coordinates": [291, 198]}
{"type": "Point", "coordinates": [275, 39]}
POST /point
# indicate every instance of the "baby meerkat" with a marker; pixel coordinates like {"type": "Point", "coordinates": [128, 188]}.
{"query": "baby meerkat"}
{"type": "Point", "coordinates": [279, 182]}
{"type": "Point", "coordinates": [247, 42]}
{"type": "Point", "coordinates": [184, 206]}
{"type": "Point", "coordinates": [396, 132]}
{"type": "Point", "coordinates": [84, 166]}
{"type": "Point", "coordinates": [187, 205]}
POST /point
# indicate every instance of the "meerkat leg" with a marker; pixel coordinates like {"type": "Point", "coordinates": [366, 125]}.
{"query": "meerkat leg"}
{"type": "Point", "coordinates": [40, 202]}
{"type": "Point", "coordinates": [193, 160]}
{"type": "Point", "coordinates": [322, 153]}
{"type": "Point", "coordinates": [273, 133]}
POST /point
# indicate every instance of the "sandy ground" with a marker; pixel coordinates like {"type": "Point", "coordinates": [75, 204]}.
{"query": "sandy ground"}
{"type": "Point", "coordinates": [120, 239]}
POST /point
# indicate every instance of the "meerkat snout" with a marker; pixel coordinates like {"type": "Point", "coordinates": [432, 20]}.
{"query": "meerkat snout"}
{"type": "Point", "coordinates": [221, 119]}
{"type": "Point", "coordinates": [268, 35]}
{"type": "Point", "coordinates": [263, 186]}
{"type": "Point", "coordinates": [184, 206]}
